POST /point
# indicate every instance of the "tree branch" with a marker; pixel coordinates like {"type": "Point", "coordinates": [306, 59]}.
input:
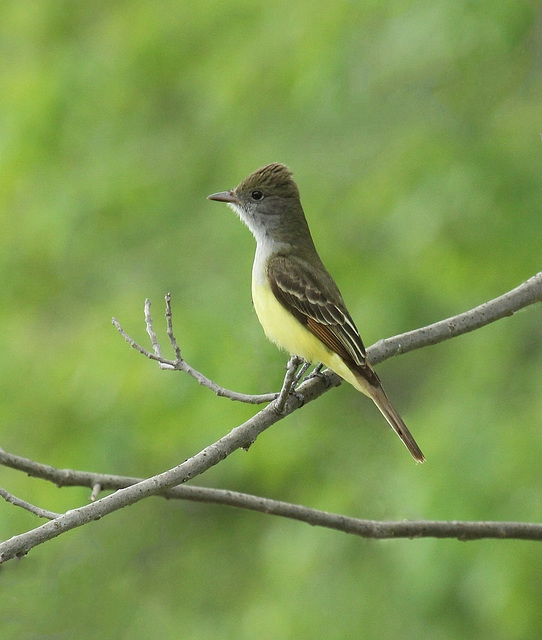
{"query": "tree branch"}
{"type": "Point", "coordinates": [180, 364]}
{"type": "Point", "coordinates": [509, 303]}
{"type": "Point", "coordinates": [461, 530]}
{"type": "Point", "coordinates": [244, 435]}
{"type": "Point", "coordinates": [18, 502]}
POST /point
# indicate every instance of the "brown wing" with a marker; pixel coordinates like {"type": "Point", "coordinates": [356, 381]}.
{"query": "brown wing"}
{"type": "Point", "coordinates": [314, 299]}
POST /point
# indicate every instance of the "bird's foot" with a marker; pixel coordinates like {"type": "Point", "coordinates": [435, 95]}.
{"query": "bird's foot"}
{"type": "Point", "coordinates": [299, 376]}
{"type": "Point", "coordinates": [316, 372]}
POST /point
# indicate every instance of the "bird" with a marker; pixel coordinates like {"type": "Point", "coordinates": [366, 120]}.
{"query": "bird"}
{"type": "Point", "coordinates": [297, 302]}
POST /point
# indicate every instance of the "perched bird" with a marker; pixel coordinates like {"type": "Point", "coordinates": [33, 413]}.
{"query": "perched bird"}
{"type": "Point", "coordinates": [297, 302]}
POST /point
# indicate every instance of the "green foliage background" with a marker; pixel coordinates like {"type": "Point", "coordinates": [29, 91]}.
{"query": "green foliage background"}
{"type": "Point", "coordinates": [413, 129]}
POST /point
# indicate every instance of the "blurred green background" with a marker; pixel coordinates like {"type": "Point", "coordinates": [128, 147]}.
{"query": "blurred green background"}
{"type": "Point", "coordinates": [413, 129]}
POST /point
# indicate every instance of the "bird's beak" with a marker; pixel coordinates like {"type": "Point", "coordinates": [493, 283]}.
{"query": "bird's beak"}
{"type": "Point", "coordinates": [224, 196]}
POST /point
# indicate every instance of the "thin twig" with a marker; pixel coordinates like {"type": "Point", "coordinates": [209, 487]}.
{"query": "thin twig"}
{"type": "Point", "coordinates": [139, 348]}
{"type": "Point", "coordinates": [18, 502]}
{"type": "Point", "coordinates": [152, 334]}
{"type": "Point", "coordinates": [182, 365]}
{"type": "Point", "coordinates": [169, 324]}
{"type": "Point", "coordinates": [96, 490]}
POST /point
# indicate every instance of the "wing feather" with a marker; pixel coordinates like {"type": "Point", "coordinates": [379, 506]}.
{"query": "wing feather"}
{"type": "Point", "coordinates": [313, 298]}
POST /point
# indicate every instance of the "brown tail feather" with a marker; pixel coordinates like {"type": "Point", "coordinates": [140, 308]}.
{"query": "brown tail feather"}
{"type": "Point", "coordinates": [379, 397]}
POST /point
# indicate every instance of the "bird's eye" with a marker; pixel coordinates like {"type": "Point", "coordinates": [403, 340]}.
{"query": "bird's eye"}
{"type": "Point", "coordinates": [256, 195]}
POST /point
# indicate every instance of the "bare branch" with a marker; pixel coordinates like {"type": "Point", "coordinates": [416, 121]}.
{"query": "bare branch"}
{"type": "Point", "coordinates": [18, 502]}
{"type": "Point", "coordinates": [461, 530]}
{"type": "Point", "coordinates": [152, 335]}
{"type": "Point", "coordinates": [242, 436]}
{"type": "Point", "coordinates": [509, 303]}
{"type": "Point", "coordinates": [169, 324]}
{"type": "Point", "coordinates": [137, 347]}
{"type": "Point", "coordinates": [179, 364]}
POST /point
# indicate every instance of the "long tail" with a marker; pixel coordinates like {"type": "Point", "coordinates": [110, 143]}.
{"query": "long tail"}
{"type": "Point", "coordinates": [371, 386]}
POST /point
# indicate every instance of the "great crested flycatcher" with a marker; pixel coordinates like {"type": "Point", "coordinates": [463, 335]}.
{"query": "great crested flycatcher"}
{"type": "Point", "coordinates": [297, 302]}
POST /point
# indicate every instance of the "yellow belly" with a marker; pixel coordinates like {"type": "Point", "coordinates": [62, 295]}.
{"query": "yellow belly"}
{"type": "Point", "coordinates": [282, 328]}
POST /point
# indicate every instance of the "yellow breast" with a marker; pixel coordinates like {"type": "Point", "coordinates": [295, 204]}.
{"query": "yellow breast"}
{"type": "Point", "coordinates": [282, 328]}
